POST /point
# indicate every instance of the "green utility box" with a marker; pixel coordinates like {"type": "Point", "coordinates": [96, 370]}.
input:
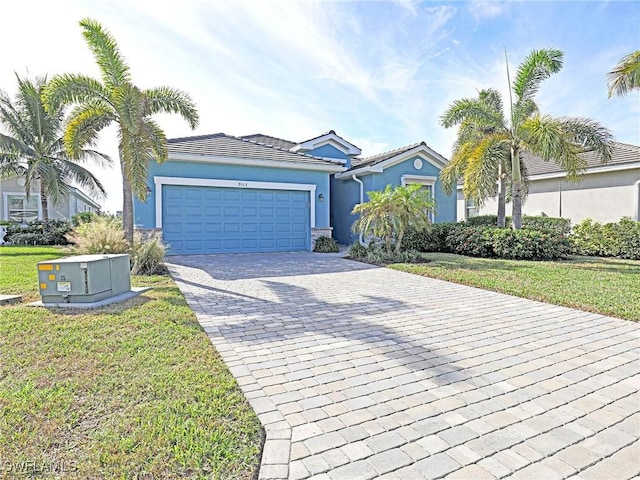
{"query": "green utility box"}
{"type": "Point", "coordinates": [84, 278]}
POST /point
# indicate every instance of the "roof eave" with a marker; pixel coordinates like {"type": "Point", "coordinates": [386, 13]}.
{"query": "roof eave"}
{"type": "Point", "coordinates": [226, 160]}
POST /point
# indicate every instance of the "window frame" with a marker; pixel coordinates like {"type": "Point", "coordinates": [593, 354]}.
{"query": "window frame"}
{"type": "Point", "coordinates": [32, 197]}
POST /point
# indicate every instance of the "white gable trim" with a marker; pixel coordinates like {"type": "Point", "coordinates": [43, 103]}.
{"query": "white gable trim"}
{"type": "Point", "coordinates": [252, 162]}
{"type": "Point", "coordinates": [214, 182]}
{"type": "Point", "coordinates": [328, 139]}
{"type": "Point", "coordinates": [422, 151]}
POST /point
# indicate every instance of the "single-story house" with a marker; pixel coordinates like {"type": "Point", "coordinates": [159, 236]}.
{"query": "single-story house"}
{"type": "Point", "coordinates": [219, 193]}
{"type": "Point", "coordinates": [605, 192]}
{"type": "Point", "coordinates": [15, 206]}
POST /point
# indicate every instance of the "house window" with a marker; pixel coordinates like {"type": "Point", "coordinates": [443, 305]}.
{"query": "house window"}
{"type": "Point", "coordinates": [426, 182]}
{"type": "Point", "coordinates": [471, 209]}
{"type": "Point", "coordinates": [22, 209]}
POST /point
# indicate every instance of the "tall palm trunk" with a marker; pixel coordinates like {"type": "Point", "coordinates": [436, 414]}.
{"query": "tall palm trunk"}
{"type": "Point", "coordinates": [44, 202]}
{"type": "Point", "coordinates": [501, 198]}
{"type": "Point", "coordinates": [516, 189]}
{"type": "Point", "coordinates": [127, 204]}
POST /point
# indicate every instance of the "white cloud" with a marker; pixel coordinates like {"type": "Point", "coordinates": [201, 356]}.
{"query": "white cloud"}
{"type": "Point", "coordinates": [486, 9]}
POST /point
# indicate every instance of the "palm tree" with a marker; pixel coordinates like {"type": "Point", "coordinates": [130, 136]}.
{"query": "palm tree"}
{"type": "Point", "coordinates": [117, 100]}
{"type": "Point", "coordinates": [625, 76]}
{"type": "Point", "coordinates": [481, 164]}
{"type": "Point", "coordinates": [389, 213]}
{"type": "Point", "coordinates": [33, 147]}
{"type": "Point", "coordinates": [560, 140]}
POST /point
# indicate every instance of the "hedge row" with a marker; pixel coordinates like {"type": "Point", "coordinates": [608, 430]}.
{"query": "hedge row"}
{"type": "Point", "coordinates": [50, 232]}
{"type": "Point", "coordinates": [620, 239]}
{"type": "Point", "coordinates": [561, 226]}
{"type": "Point", "coordinates": [541, 238]}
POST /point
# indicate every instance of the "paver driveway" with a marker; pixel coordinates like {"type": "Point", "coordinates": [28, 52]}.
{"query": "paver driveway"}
{"type": "Point", "coordinates": [360, 372]}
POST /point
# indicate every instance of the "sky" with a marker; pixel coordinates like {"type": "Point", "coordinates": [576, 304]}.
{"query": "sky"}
{"type": "Point", "coordinates": [378, 73]}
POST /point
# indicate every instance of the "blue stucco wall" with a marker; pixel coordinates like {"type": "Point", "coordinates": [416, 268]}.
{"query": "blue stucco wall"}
{"type": "Point", "coordinates": [144, 212]}
{"type": "Point", "coordinates": [346, 193]}
{"type": "Point", "coordinates": [329, 151]}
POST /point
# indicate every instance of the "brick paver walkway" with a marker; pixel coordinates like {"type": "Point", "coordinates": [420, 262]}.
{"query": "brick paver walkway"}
{"type": "Point", "coordinates": [360, 372]}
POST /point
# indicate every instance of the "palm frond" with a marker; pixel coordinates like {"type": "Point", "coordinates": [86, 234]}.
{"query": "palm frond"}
{"type": "Point", "coordinates": [547, 137]}
{"type": "Point", "coordinates": [472, 109]}
{"type": "Point", "coordinates": [171, 100]}
{"type": "Point", "coordinates": [85, 179]}
{"type": "Point", "coordinates": [591, 136]}
{"type": "Point", "coordinates": [114, 70]}
{"type": "Point", "coordinates": [135, 151]}
{"type": "Point", "coordinates": [157, 140]}
{"type": "Point", "coordinates": [534, 69]}
{"type": "Point", "coordinates": [73, 89]}
{"type": "Point", "coordinates": [84, 125]}
{"type": "Point", "coordinates": [625, 76]}
{"type": "Point", "coordinates": [129, 102]}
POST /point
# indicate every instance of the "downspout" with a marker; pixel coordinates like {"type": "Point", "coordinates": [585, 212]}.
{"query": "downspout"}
{"type": "Point", "coordinates": [637, 190]}
{"type": "Point", "coordinates": [359, 182]}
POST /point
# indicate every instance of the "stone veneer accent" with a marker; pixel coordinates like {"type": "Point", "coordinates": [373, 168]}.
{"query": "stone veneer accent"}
{"type": "Point", "coordinates": [319, 232]}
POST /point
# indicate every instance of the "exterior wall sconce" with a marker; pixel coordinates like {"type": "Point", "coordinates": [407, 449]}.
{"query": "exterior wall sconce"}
{"type": "Point", "coordinates": [321, 197]}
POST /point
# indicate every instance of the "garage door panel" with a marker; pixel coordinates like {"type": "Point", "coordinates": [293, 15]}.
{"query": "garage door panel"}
{"type": "Point", "coordinates": [215, 219]}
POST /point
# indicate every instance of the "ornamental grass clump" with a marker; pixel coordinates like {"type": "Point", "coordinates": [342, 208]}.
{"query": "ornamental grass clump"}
{"type": "Point", "coordinates": [102, 235]}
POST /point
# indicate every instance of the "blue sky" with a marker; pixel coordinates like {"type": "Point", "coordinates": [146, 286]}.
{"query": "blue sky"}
{"type": "Point", "coordinates": [379, 73]}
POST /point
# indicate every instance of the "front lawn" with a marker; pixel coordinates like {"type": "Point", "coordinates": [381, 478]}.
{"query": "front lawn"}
{"type": "Point", "coordinates": [127, 391]}
{"type": "Point", "coordinates": [603, 285]}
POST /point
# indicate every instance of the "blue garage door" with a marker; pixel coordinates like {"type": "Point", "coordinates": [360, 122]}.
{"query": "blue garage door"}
{"type": "Point", "coordinates": [225, 220]}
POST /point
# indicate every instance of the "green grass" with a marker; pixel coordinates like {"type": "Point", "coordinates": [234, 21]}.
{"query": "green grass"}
{"type": "Point", "coordinates": [600, 285]}
{"type": "Point", "coordinates": [127, 391]}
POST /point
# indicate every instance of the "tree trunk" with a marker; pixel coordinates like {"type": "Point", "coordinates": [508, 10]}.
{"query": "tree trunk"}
{"type": "Point", "coordinates": [399, 242]}
{"type": "Point", "coordinates": [516, 193]}
{"type": "Point", "coordinates": [501, 201]}
{"type": "Point", "coordinates": [127, 205]}
{"type": "Point", "coordinates": [516, 189]}
{"type": "Point", "coordinates": [44, 203]}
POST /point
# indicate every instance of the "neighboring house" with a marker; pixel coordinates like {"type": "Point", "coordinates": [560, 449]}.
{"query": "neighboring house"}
{"type": "Point", "coordinates": [15, 206]}
{"type": "Point", "coordinates": [218, 193]}
{"type": "Point", "coordinates": [605, 192]}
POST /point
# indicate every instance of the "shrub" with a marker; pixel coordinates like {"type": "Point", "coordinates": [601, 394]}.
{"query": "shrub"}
{"type": "Point", "coordinates": [325, 244]}
{"type": "Point", "coordinates": [561, 226]}
{"type": "Point", "coordinates": [627, 232]}
{"type": "Point", "coordinates": [608, 240]}
{"type": "Point", "coordinates": [357, 251]}
{"type": "Point", "coordinates": [485, 221]}
{"type": "Point", "coordinates": [103, 235]}
{"type": "Point", "coordinates": [148, 255]}
{"type": "Point", "coordinates": [474, 241]}
{"type": "Point", "coordinates": [433, 240]}
{"type": "Point", "coordinates": [381, 256]}
{"type": "Point", "coordinates": [525, 244]}
{"type": "Point", "coordinates": [529, 244]}
{"type": "Point", "coordinates": [594, 239]}
{"type": "Point", "coordinates": [49, 232]}
{"type": "Point", "coordinates": [83, 217]}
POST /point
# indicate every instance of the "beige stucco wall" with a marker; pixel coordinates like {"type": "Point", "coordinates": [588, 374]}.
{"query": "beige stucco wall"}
{"type": "Point", "coordinates": [604, 197]}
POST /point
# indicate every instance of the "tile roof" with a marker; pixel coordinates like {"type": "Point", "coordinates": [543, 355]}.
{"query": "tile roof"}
{"type": "Point", "coordinates": [268, 140]}
{"type": "Point", "coordinates": [220, 144]}
{"type": "Point", "coordinates": [623, 153]}
{"type": "Point", "coordinates": [381, 157]}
